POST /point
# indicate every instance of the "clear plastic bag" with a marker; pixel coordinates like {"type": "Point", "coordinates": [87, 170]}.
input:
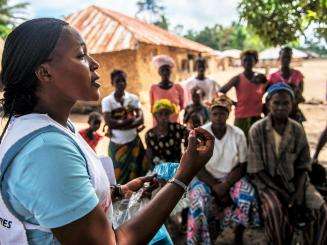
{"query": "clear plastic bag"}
{"type": "Point", "coordinates": [125, 209]}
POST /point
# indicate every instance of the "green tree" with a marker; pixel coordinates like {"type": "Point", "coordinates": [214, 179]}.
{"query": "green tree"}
{"type": "Point", "coordinates": [9, 15]}
{"type": "Point", "coordinates": [152, 8]}
{"type": "Point", "coordinates": [163, 22]}
{"type": "Point", "coordinates": [279, 22]}
{"type": "Point", "coordinates": [220, 37]}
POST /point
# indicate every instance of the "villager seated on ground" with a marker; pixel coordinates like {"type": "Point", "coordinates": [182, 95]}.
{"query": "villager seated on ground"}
{"type": "Point", "coordinates": [90, 134]}
{"type": "Point", "coordinates": [123, 116]}
{"type": "Point", "coordinates": [166, 88]}
{"type": "Point", "coordinates": [164, 141]}
{"type": "Point", "coordinates": [221, 195]}
{"type": "Point", "coordinates": [278, 162]}
{"type": "Point", "coordinates": [250, 87]}
{"type": "Point", "coordinates": [196, 107]}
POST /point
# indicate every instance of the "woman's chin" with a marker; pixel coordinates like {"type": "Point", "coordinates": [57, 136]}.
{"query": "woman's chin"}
{"type": "Point", "coordinates": [93, 96]}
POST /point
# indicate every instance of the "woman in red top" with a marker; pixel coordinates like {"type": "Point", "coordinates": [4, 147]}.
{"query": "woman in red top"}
{"type": "Point", "coordinates": [292, 77]}
{"type": "Point", "coordinates": [166, 89]}
{"type": "Point", "coordinates": [90, 134]}
{"type": "Point", "coordinates": [250, 87]}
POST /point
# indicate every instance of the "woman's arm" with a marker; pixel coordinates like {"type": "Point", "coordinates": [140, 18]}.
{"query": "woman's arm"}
{"type": "Point", "coordinates": [235, 175]}
{"type": "Point", "coordinates": [139, 119]}
{"type": "Point", "coordinates": [232, 83]}
{"type": "Point", "coordinates": [95, 229]}
{"type": "Point", "coordinates": [117, 124]}
{"type": "Point", "coordinates": [321, 142]}
{"type": "Point", "coordinates": [206, 177]}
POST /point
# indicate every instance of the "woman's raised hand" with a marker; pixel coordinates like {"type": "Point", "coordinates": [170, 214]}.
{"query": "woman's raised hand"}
{"type": "Point", "coordinates": [198, 153]}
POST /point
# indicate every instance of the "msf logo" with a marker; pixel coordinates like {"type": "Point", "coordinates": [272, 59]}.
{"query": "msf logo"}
{"type": "Point", "coordinates": [5, 223]}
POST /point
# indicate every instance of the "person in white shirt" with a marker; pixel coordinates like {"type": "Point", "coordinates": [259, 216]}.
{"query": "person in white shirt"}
{"type": "Point", "coordinates": [123, 116]}
{"type": "Point", "coordinates": [221, 185]}
{"type": "Point", "coordinates": [208, 85]}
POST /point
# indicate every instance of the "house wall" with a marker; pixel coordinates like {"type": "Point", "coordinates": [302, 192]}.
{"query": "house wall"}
{"type": "Point", "coordinates": [141, 73]}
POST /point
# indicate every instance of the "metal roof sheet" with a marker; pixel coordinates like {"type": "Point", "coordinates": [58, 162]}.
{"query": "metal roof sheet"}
{"type": "Point", "coordinates": [105, 30]}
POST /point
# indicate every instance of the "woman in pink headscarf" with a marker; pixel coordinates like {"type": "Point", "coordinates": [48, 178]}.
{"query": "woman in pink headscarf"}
{"type": "Point", "coordinates": [166, 89]}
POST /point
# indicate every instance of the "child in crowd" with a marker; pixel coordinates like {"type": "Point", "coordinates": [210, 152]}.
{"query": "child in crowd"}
{"type": "Point", "coordinates": [196, 108]}
{"type": "Point", "coordinates": [90, 134]}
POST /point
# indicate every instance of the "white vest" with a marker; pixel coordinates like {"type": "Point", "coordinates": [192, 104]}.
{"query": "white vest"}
{"type": "Point", "coordinates": [20, 131]}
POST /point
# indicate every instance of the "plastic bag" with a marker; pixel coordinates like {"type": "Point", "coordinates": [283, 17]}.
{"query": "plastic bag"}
{"type": "Point", "coordinates": [166, 171]}
{"type": "Point", "coordinates": [127, 208]}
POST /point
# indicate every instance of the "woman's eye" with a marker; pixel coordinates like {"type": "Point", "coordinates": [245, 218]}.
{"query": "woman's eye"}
{"type": "Point", "coordinates": [81, 56]}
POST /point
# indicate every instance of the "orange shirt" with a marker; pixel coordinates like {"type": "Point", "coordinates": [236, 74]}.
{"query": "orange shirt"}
{"type": "Point", "coordinates": [91, 142]}
{"type": "Point", "coordinates": [175, 94]}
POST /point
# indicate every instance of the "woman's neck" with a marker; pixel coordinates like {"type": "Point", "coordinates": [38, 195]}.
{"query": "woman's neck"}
{"type": "Point", "coordinates": [286, 71]}
{"type": "Point", "coordinates": [162, 128]}
{"type": "Point", "coordinates": [279, 124]}
{"type": "Point", "coordinates": [248, 74]}
{"type": "Point", "coordinates": [200, 76]}
{"type": "Point", "coordinates": [219, 131]}
{"type": "Point", "coordinates": [59, 112]}
{"type": "Point", "coordinates": [119, 95]}
{"type": "Point", "coordinates": [166, 83]}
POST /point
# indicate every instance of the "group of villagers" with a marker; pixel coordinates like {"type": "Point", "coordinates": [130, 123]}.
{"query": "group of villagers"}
{"type": "Point", "coordinates": [258, 173]}
{"type": "Point", "coordinates": [54, 188]}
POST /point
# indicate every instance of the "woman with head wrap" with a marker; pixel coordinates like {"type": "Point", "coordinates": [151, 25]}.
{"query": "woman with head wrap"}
{"type": "Point", "coordinates": [164, 141]}
{"type": "Point", "coordinates": [221, 185]}
{"type": "Point", "coordinates": [250, 87]}
{"type": "Point", "coordinates": [293, 78]}
{"type": "Point", "coordinates": [166, 89]}
{"type": "Point", "coordinates": [53, 186]}
{"type": "Point", "coordinates": [278, 162]}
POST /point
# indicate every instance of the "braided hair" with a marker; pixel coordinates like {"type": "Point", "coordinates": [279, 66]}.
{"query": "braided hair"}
{"type": "Point", "coordinates": [26, 48]}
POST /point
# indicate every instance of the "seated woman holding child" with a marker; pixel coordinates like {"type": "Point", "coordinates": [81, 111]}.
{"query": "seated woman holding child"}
{"type": "Point", "coordinates": [221, 185]}
{"type": "Point", "coordinates": [278, 161]}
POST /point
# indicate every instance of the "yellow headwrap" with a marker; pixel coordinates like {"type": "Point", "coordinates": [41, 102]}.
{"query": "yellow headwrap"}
{"type": "Point", "coordinates": [164, 104]}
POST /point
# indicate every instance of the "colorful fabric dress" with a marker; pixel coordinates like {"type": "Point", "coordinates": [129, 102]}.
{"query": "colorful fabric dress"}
{"type": "Point", "coordinates": [208, 216]}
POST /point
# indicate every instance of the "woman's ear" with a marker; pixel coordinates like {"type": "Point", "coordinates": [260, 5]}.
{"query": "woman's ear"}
{"type": "Point", "coordinates": [42, 73]}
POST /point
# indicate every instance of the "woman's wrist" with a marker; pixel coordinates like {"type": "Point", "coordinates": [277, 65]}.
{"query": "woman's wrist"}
{"type": "Point", "coordinates": [185, 178]}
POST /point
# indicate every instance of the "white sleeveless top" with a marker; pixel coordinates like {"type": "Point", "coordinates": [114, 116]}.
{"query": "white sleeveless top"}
{"type": "Point", "coordinates": [20, 131]}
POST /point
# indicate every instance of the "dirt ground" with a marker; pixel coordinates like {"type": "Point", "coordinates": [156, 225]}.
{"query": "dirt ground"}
{"type": "Point", "coordinates": [315, 72]}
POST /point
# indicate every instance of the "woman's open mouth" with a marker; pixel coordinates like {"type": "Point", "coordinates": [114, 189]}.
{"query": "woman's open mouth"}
{"type": "Point", "coordinates": [94, 82]}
